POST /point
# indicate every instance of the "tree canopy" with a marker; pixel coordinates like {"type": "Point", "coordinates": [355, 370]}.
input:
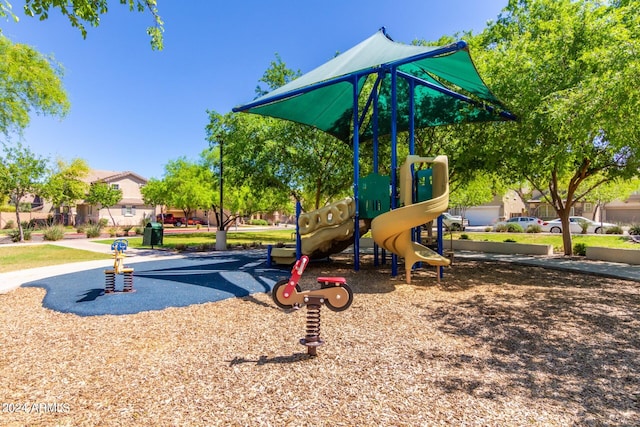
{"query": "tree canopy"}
{"type": "Point", "coordinates": [82, 13]}
{"type": "Point", "coordinates": [103, 194]}
{"type": "Point", "coordinates": [29, 82]}
{"type": "Point", "coordinates": [569, 70]}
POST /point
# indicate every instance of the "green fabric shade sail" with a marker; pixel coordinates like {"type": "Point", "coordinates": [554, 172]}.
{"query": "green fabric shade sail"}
{"type": "Point", "coordinates": [439, 84]}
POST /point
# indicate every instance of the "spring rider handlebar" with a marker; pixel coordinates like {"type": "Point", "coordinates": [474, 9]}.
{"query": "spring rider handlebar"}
{"type": "Point", "coordinates": [334, 292]}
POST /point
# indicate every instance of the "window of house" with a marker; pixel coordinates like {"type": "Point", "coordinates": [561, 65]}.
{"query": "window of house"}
{"type": "Point", "coordinates": [588, 207]}
{"type": "Point", "coordinates": [128, 210]}
{"type": "Point", "coordinates": [115, 186]}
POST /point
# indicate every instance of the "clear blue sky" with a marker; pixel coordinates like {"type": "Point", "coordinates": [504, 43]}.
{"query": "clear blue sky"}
{"type": "Point", "coordinates": [135, 109]}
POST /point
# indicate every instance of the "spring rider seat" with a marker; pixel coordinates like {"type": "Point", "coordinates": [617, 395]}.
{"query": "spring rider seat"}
{"type": "Point", "coordinates": [118, 247]}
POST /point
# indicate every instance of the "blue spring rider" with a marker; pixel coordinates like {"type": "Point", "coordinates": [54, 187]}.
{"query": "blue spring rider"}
{"type": "Point", "coordinates": [118, 247]}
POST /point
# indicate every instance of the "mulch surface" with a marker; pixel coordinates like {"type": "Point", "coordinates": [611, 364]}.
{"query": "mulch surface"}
{"type": "Point", "coordinates": [491, 344]}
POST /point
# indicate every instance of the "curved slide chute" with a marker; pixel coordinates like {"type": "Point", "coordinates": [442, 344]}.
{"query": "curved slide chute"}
{"type": "Point", "coordinates": [392, 230]}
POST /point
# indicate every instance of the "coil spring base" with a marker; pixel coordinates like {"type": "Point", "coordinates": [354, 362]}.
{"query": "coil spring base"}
{"type": "Point", "coordinates": [312, 339]}
{"type": "Point", "coordinates": [109, 283]}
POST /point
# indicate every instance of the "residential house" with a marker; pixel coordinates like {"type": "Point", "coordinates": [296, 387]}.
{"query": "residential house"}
{"type": "Point", "coordinates": [623, 212]}
{"type": "Point", "coordinates": [498, 209]}
{"type": "Point", "coordinates": [131, 210]}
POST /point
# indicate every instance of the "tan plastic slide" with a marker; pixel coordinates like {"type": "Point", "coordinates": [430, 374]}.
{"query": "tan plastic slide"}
{"type": "Point", "coordinates": [323, 232]}
{"type": "Point", "coordinates": [392, 230]}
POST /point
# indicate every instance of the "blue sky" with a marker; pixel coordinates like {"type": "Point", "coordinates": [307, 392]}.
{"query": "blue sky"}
{"type": "Point", "coordinates": [135, 109]}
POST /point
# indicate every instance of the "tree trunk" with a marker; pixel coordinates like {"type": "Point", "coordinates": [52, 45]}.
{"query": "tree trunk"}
{"type": "Point", "coordinates": [566, 233]}
{"type": "Point", "coordinates": [19, 223]}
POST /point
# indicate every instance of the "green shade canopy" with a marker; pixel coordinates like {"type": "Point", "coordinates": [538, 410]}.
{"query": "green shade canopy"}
{"type": "Point", "coordinates": [444, 82]}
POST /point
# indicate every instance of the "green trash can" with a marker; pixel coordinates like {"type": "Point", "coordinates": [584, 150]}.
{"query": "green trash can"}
{"type": "Point", "coordinates": [153, 234]}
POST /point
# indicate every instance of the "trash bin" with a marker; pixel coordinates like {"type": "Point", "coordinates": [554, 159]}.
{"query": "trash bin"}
{"type": "Point", "coordinates": [153, 234]}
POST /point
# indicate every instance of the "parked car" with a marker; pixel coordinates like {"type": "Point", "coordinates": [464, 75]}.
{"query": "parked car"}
{"type": "Point", "coordinates": [575, 225]}
{"type": "Point", "coordinates": [194, 220]}
{"type": "Point", "coordinates": [170, 219]}
{"type": "Point", "coordinates": [523, 221]}
{"type": "Point", "coordinates": [454, 222]}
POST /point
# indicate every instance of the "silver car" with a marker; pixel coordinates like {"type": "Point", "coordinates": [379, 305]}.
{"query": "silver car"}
{"type": "Point", "coordinates": [576, 224]}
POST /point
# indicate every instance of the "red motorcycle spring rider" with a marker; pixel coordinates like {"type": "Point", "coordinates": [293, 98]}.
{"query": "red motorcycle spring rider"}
{"type": "Point", "coordinates": [334, 292]}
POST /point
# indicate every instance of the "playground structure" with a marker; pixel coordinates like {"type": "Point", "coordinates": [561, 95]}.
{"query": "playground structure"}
{"type": "Point", "coordinates": [424, 196]}
{"type": "Point", "coordinates": [118, 247]}
{"type": "Point", "coordinates": [380, 88]}
{"type": "Point", "coordinates": [334, 292]}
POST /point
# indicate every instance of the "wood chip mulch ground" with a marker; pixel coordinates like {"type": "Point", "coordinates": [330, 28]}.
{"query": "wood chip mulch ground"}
{"type": "Point", "coordinates": [490, 345]}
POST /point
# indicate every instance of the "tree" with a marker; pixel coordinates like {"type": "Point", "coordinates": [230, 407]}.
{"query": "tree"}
{"type": "Point", "coordinates": [21, 173]}
{"type": "Point", "coordinates": [241, 198]}
{"type": "Point", "coordinates": [278, 156]}
{"type": "Point", "coordinates": [28, 82]}
{"type": "Point", "coordinates": [155, 193]}
{"type": "Point", "coordinates": [66, 185]}
{"type": "Point", "coordinates": [188, 185]}
{"type": "Point", "coordinates": [476, 192]}
{"type": "Point", "coordinates": [88, 12]}
{"type": "Point", "coordinates": [101, 193]}
{"type": "Point", "coordinates": [569, 70]}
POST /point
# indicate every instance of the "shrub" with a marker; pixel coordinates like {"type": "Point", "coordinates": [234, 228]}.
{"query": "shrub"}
{"type": "Point", "coordinates": [487, 229]}
{"type": "Point", "coordinates": [514, 228]}
{"type": "Point", "coordinates": [580, 249]}
{"type": "Point", "coordinates": [535, 228]}
{"type": "Point", "coordinates": [14, 234]}
{"type": "Point", "coordinates": [635, 230]}
{"type": "Point", "coordinates": [501, 228]}
{"type": "Point", "coordinates": [103, 222]}
{"type": "Point", "coordinates": [10, 224]}
{"type": "Point", "coordinates": [54, 232]}
{"type": "Point", "coordinates": [139, 231]}
{"type": "Point", "coordinates": [81, 228]}
{"type": "Point", "coordinates": [93, 231]}
{"type": "Point", "coordinates": [258, 222]}
{"type": "Point", "coordinates": [464, 237]}
{"type": "Point", "coordinates": [614, 230]}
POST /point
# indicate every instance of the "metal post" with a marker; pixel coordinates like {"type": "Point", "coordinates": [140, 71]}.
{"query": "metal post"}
{"type": "Point", "coordinates": [220, 223]}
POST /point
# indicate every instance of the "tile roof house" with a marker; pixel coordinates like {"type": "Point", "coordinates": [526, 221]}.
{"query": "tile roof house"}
{"type": "Point", "coordinates": [130, 210]}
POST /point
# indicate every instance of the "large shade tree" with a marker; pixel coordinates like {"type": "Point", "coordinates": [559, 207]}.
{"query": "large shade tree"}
{"type": "Point", "coordinates": [570, 70]}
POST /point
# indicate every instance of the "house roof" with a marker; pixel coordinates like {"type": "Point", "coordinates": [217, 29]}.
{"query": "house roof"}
{"type": "Point", "coordinates": [110, 176]}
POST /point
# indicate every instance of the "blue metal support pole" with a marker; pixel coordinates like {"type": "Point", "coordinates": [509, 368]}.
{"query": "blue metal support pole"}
{"type": "Point", "coordinates": [440, 244]}
{"type": "Point", "coordinates": [356, 176]}
{"type": "Point", "coordinates": [376, 248]}
{"type": "Point", "coordinates": [394, 155]}
{"type": "Point", "coordinates": [298, 238]}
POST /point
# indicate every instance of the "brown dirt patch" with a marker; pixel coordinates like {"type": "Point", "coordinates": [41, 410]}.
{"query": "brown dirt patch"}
{"type": "Point", "coordinates": [491, 344]}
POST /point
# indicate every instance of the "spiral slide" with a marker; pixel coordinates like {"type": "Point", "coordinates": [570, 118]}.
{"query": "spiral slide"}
{"type": "Point", "coordinates": [392, 230]}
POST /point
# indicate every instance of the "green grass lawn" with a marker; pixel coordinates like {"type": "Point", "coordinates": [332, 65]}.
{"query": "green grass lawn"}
{"type": "Point", "coordinates": [603, 240]}
{"type": "Point", "coordinates": [208, 239]}
{"type": "Point", "coordinates": [15, 258]}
